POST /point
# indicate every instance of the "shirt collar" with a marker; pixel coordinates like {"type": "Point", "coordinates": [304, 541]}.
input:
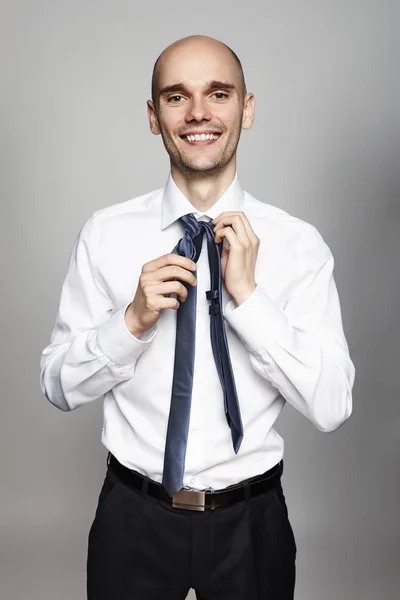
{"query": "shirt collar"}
{"type": "Point", "coordinates": [175, 204]}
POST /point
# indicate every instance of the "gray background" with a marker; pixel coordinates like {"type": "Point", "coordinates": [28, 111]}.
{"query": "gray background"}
{"type": "Point", "coordinates": [74, 138]}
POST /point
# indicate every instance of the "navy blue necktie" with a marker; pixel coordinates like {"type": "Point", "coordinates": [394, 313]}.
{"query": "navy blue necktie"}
{"type": "Point", "coordinates": [178, 423]}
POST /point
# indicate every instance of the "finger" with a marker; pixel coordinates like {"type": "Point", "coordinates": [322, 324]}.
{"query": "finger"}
{"type": "Point", "coordinates": [173, 272]}
{"type": "Point", "coordinates": [169, 259]}
{"type": "Point", "coordinates": [236, 224]}
{"type": "Point", "coordinates": [229, 234]}
{"type": "Point", "coordinates": [225, 216]}
{"type": "Point", "coordinates": [171, 287]}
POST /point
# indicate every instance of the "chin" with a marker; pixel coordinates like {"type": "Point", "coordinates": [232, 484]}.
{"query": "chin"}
{"type": "Point", "coordinates": [200, 165]}
{"type": "Point", "coordinates": [207, 168]}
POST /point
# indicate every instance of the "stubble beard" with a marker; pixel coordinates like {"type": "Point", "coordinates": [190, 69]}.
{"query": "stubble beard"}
{"type": "Point", "coordinates": [188, 166]}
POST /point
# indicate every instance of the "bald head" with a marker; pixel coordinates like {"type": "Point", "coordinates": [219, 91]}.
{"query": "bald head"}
{"type": "Point", "coordinates": [195, 45]}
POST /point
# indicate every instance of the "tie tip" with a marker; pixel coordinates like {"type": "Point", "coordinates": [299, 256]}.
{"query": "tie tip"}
{"type": "Point", "coordinates": [238, 443]}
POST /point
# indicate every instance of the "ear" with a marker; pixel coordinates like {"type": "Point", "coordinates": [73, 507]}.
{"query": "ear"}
{"type": "Point", "coordinates": [153, 120]}
{"type": "Point", "coordinates": [248, 111]}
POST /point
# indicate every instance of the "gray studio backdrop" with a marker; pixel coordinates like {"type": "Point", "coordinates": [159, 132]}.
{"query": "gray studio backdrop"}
{"type": "Point", "coordinates": [74, 138]}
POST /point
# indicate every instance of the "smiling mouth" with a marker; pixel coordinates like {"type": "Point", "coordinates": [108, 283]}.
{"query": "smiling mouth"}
{"type": "Point", "coordinates": [201, 139]}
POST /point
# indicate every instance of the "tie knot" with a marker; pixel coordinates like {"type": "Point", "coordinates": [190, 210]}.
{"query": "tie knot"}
{"type": "Point", "coordinates": [192, 225]}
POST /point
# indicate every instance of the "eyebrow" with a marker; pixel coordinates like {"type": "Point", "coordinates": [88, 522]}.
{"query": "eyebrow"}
{"type": "Point", "coordinates": [211, 85]}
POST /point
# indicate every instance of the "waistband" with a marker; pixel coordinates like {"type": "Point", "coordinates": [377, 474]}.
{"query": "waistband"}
{"type": "Point", "coordinates": [198, 500]}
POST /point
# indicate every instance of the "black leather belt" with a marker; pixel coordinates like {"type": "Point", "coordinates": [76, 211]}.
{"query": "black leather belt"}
{"type": "Point", "coordinates": [199, 500]}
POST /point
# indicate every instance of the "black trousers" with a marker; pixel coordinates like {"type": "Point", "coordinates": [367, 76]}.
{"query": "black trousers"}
{"type": "Point", "coordinates": [140, 548]}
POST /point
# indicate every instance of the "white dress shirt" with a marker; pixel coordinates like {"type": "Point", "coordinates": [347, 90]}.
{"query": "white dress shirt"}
{"type": "Point", "coordinates": [286, 340]}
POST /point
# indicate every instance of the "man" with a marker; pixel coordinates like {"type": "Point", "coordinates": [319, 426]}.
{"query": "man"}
{"type": "Point", "coordinates": [195, 366]}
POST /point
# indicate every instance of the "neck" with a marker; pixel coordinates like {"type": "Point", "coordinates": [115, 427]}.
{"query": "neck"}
{"type": "Point", "coordinates": [203, 190]}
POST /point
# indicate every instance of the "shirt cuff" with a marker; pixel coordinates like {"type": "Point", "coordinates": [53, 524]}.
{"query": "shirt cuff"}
{"type": "Point", "coordinates": [116, 341]}
{"type": "Point", "coordinates": [257, 320]}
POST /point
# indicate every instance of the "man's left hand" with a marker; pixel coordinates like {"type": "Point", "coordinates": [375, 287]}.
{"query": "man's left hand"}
{"type": "Point", "coordinates": [239, 260]}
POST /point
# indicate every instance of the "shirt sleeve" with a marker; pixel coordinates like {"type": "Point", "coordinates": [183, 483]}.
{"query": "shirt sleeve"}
{"type": "Point", "coordinates": [91, 350]}
{"type": "Point", "coordinates": [301, 348]}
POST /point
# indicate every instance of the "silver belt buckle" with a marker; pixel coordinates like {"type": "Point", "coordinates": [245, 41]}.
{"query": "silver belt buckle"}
{"type": "Point", "coordinates": [189, 500]}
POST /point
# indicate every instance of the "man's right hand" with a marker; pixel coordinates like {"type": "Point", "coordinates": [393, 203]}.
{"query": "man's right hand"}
{"type": "Point", "coordinates": [157, 281]}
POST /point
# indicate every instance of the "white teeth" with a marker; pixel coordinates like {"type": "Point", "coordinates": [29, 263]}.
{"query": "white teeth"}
{"type": "Point", "coordinates": [201, 137]}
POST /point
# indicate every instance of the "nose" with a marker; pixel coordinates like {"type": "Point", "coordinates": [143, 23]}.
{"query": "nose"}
{"type": "Point", "coordinates": [198, 110]}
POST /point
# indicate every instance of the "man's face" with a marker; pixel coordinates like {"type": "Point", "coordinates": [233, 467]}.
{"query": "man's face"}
{"type": "Point", "coordinates": [199, 94]}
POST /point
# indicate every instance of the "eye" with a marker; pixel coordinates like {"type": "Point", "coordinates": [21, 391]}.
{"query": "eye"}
{"type": "Point", "coordinates": [173, 99]}
{"type": "Point", "coordinates": [221, 95]}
